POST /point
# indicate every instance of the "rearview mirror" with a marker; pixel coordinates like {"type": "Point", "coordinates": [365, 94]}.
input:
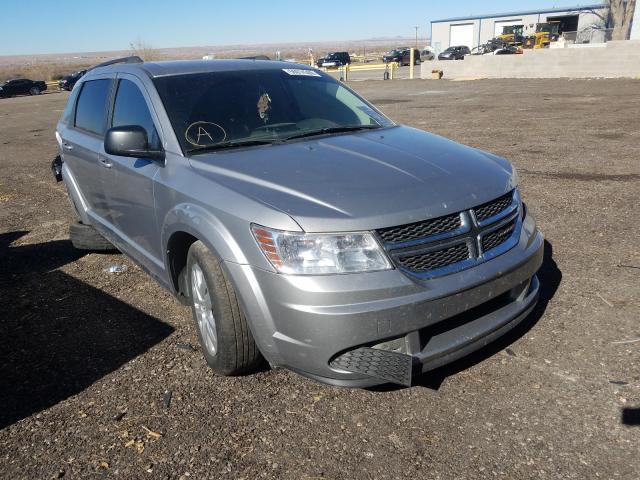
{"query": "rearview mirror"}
{"type": "Point", "coordinates": [130, 141]}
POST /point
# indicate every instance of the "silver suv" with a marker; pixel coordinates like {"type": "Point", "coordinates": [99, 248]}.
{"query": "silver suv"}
{"type": "Point", "coordinates": [299, 222]}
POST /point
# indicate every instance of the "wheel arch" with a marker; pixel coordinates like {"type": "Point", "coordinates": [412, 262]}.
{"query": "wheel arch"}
{"type": "Point", "coordinates": [186, 224]}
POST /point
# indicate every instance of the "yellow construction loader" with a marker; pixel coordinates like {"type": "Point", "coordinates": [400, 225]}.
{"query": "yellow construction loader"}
{"type": "Point", "coordinates": [512, 35]}
{"type": "Point", "coordinates": [546, 33]}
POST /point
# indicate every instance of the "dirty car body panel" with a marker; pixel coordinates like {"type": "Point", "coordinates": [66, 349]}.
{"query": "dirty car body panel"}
{"type": "Point", "coordinates": [460, 246]}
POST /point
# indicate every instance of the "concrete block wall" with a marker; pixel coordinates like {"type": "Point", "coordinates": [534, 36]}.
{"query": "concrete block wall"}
{"type": "Point", "coordinates": [611, 60]}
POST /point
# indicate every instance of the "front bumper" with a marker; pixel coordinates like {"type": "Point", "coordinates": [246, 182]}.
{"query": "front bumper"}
{"type": "Point", "coordinates": [349, 330]}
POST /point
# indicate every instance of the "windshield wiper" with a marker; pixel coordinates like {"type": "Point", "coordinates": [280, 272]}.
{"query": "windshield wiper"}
{"type": "Point", "coordinates": [231, 144]}
{"type": "Point", "coordinates": [322, 131]}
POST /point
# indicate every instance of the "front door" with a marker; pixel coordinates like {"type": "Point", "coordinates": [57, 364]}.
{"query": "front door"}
{"type": "Point", "coordinates": [130, 185]}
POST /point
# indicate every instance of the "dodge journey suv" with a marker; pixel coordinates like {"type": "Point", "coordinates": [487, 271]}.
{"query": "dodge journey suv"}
{"type": "Point", "coordinates": [300, 224]}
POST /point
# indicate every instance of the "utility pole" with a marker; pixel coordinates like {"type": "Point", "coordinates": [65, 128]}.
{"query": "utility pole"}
{"type": "Point", "coordinates": [416, 27]}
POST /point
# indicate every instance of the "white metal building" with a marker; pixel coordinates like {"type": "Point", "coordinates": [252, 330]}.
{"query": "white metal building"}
{"type": "Point", "coordinates": [478, 29]}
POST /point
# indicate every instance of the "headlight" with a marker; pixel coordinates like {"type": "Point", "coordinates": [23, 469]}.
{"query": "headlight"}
{"type": "Point", "coordinates": [320, 253]}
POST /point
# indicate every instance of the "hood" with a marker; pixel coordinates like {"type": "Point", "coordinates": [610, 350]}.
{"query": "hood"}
{"type": "Point", "coordinates": [362, 181]}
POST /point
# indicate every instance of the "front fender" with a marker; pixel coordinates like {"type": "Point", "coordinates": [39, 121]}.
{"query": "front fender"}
{"type": "Point", "coordinates": [229, 238]}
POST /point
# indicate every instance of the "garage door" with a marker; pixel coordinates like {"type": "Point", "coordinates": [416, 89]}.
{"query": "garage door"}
{"type": "Point", "coordinates": [506, 23]}
{"type": "Point", "coordinates": [461, 35]}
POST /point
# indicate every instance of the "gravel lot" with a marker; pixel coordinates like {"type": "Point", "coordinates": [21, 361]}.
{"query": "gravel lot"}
{"type": "Point", "coordinates": [98, 377]}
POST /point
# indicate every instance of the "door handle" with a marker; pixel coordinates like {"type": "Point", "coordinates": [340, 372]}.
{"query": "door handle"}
{"type": "Point", "coordinates": [105, 162]}
{"type": "Point", "coordinates": [67, 146]}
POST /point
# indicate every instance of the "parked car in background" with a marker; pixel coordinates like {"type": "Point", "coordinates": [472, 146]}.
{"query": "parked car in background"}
{"type": "Point", "coordinates": [22, 86]}
{"type": "Point", "coordinates": [231, 183]}
{"type": "Point", "coordinates": [455, 53]}
{"type": "Point", "coordinates": [508, 50]}
{"type": "Point", "coordinates": [402, 56]}
{"type": "Point", "coordinates": [69, 81]}
{"type": "Point", "coordinates": [426, 54]}
{"type": "Point", "coordinates": [334, 59]}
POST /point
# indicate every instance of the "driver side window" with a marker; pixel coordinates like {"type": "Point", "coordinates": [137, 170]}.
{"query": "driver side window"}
{"type": "Point", "coordinates": [131, 109]}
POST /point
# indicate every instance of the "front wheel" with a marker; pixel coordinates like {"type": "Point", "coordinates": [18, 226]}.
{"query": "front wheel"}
{"type": "Point", "coordinates": [227, 343]}
{"type": "Point", "coordinates": [34, 91]}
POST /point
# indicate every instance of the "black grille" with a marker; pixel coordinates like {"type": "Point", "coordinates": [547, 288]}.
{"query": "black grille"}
{"type": "Point", "coordinates": [497, 237]}
{"type": "Point", "coordinates": [423, 262]}
{"type": "Point", "coordinates": [493, 207]}
{"type": "Point", "coordinates": [414, 231]}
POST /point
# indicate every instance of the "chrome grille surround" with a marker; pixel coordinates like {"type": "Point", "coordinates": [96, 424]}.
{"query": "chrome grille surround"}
{"type": "Point", "coordinates": [473, 242]}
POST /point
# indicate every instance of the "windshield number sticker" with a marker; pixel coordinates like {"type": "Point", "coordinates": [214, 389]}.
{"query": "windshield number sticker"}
{"type": "Point", "coordinates": [301, 72]}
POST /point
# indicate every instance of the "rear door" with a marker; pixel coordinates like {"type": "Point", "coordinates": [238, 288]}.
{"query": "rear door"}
{"type": "Point", "coordinates": [130, 180]}
{"type": "Point", "coordinates": [83, 144]}
{"type": "Point", "coordinates": [22, 86]}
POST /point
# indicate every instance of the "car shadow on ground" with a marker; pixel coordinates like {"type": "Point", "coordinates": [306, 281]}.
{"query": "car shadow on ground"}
{"type": "Point", "coordinates": [550, 277]}
{"type": "Point", "coordinates": [631, 417]}
{"type": "Point", "coordinates": [58, 335]}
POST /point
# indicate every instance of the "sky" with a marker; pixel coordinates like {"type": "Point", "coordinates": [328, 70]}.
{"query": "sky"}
{"type": "Point", "coordinates": [38, 26]}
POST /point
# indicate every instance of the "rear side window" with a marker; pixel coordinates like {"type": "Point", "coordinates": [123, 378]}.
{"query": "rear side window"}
{"type": "Point", "coordinates": [67, 115]}
{"type": "Point", "coordinates": [131, 109]}
{"type": "Point", "coordinates": [91, 112]}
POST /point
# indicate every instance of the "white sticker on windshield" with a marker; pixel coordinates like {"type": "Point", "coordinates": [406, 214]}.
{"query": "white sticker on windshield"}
{"type": "Point", "coordinates": [301, 71]}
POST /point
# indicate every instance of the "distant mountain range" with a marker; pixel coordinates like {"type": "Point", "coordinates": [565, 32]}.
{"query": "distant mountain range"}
{"type": "Point", "coordinates": [298, 50]}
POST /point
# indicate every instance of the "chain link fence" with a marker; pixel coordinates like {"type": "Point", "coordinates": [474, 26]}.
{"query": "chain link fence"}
{"type": "Point", "coordinates": [592, 34]}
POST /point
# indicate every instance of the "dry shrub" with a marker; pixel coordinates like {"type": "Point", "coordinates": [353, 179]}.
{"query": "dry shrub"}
{"type": "Point", "coordinates": [39, 71]}
{"type": "Point", "coordinates": [144, 50]}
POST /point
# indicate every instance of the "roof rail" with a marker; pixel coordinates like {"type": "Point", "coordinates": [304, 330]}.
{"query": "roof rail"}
{"type": "Point", "coordinates": [131, 59]}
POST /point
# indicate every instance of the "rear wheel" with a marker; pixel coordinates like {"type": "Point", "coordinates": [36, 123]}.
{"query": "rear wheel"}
{"type": "Point", "coordinates": [34, 91]}
{"type": "Point", "coordinates": [227, 343]}
{"type": "Point", "coordinates": [85, 237]}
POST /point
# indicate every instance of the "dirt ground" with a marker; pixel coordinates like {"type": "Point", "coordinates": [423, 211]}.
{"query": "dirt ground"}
{"type": "Point", "coordinates": [101, 375]}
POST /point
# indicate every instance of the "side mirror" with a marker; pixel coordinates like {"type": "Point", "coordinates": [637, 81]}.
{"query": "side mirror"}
{"type": "Point", "coordinates": [130, 141]}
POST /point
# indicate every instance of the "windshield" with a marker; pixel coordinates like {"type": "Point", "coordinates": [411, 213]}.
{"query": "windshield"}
{"type": "Point", "coordinates": [547, 28]}
{"type": "Point", "coordinates": [219, 109]}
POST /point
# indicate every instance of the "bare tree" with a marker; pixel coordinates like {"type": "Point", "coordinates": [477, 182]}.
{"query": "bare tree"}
{"type": "Point", "coordinates": [143, 50]}
{"type": "Point", "coordinates": [620, 17]}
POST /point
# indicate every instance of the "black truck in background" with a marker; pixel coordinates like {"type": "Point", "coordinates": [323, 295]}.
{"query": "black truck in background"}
{"type": "Point", "coordinates": [68, 82]}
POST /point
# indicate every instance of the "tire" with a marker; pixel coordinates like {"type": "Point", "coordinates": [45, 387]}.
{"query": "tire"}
{"type": "Point", "coordinates": [85, 237]}
{"type": "Point", "coordinates": [34, 91]}
{"type": "Point", "coordinates": [418, 62]}
{"type": "Point", "coordinates": [227, 343]}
